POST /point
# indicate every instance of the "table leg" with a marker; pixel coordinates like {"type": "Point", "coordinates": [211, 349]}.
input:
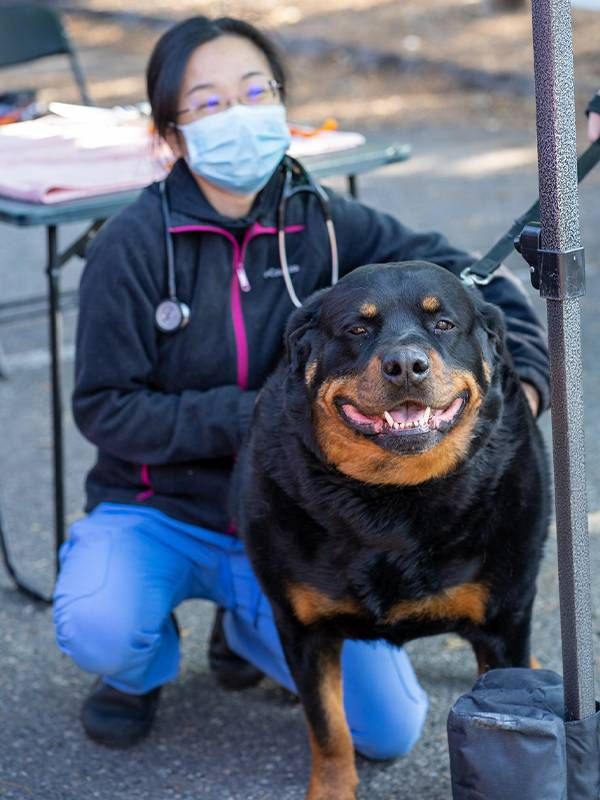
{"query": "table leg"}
{"type": "Point", "coordinates": [3, 365]}
{"type": "Point", "coordinates": [54, 264]}
{"type": "Point", "coordinates": [22, 585]}
{"type": "Point", "coordinates": [352, 186]}
{"type": "Point", "coordinates": [55, 332]}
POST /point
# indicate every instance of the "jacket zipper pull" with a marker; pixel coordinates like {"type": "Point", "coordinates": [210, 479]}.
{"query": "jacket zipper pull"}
{"type": "Point", "coordinates": [243, 278]}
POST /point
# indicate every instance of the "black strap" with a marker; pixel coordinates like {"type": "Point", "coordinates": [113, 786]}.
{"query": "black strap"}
{"type": "Point", "coordinates": [482, 270]}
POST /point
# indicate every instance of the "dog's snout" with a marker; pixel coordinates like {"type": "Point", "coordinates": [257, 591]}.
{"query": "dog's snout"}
{"type": "Point", "coordinates": [405, 365]}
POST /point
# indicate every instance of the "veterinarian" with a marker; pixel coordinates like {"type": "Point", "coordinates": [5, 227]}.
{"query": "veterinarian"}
{"type": "Point", "coordinates": [183, 303]}
{"type": "Point", "coordinates": [593, 115]}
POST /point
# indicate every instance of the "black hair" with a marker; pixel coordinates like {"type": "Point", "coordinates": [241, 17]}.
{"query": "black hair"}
{"type": "Point", "coordinates": [173, 50]}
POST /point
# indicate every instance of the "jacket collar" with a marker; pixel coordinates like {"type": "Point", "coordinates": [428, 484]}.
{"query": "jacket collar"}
{"type": "Point", "coordinates": [188, 204]}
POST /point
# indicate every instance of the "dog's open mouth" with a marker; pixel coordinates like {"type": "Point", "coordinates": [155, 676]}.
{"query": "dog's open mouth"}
{"type": "Point", "coordinates": [406, 419]}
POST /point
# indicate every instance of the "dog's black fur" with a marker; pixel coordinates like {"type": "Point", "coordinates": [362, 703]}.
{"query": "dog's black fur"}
{"type": "Point", "coordinates": [359, 531]}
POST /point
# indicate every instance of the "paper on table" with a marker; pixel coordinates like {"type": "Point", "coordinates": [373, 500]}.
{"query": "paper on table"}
{"type": "Point", "coordinates": [324, 142]}
{"type": "Point", "coordinates": [95, 114]}
{"type": "Point", "coordinates": [312, 143]}
{"type": "Point", "coordinates": [54, 159]}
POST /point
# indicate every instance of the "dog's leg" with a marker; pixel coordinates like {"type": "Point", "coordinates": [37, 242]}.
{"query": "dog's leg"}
{"type": "Point", "coordinates": [314, 660]}
{"type": "Point", "coordinates": [505, 642]}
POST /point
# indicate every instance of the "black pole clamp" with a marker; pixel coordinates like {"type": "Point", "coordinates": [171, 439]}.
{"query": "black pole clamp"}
{"type": "Point", "coordinates": [557, 275]}
{"type": "Point", "coordinates": [482, 271]}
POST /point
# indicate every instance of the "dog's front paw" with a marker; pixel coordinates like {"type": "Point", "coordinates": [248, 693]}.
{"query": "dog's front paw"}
{"type": "Point", "coordinates": [331, 793]}
{"type": "Point", "coordinates": [333, 785]}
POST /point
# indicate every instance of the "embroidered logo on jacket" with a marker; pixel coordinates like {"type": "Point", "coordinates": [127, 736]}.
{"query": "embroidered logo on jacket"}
{"type": "Point", "coordinates": [275, 272]}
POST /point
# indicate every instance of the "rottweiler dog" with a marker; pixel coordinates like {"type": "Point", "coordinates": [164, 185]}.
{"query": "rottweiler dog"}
{"type": "Point", "coordinates": [394, 486]}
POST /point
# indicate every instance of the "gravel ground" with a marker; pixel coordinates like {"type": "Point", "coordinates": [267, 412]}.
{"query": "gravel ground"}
{"type": "Point", "coordinates": [468, 177]}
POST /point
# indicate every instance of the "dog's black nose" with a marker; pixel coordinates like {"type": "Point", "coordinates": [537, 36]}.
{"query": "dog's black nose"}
{"type": "Point", "coordinates": [405, 365]}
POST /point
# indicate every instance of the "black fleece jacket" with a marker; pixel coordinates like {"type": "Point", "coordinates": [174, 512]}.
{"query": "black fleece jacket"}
{"type": "Point", "coordinates": [166, 412]}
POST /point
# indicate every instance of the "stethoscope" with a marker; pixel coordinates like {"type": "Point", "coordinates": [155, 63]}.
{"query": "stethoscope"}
{"type": "Point", "coordinates": [295, 170]}
{"type": "Point", "coordinates": [172, 315]}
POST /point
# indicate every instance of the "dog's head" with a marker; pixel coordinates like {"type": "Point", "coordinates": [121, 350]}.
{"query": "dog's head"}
{"type": "Point", "coordinates": [397, 362]}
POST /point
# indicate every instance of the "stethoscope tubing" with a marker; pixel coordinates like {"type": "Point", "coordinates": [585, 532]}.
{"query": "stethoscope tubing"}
{"type": "Point", "coordinates": [290, 166]}
{"type": "Point", "coordinates": [287, 191]}
{"type": "Point", "coordinates": [168, 243]}
{"type": "Point", "coordinates": [170, 315]}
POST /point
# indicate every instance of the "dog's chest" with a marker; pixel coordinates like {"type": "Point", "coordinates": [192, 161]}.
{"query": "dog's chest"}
{"type": "Point", "coordinates": [410, 582]}
{"type": "Point", "coordinates": [392, 587]}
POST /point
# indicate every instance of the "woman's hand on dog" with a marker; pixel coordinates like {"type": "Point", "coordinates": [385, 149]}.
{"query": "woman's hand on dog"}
{"type": "Point", "coordinates": [593, 126]}
{"type": "Point", "coordinates": [533, 398]}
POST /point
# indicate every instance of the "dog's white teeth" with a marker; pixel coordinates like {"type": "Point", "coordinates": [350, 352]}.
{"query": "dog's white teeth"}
{"type": "Point", "coordinates": [396, 425]}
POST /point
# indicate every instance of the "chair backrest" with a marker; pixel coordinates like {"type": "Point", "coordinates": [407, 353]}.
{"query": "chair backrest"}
{"type": "Point", "coordinates": [29, 32]}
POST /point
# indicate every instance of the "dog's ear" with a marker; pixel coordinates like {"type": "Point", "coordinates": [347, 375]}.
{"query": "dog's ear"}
{"type": "Point", "coordinates": [300, 334]}
{"type": "Point", "coordinates": [491, 330]}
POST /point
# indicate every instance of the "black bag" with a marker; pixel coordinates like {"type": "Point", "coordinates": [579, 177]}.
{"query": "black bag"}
{"type": "Point", "coordinates": [508, 741]}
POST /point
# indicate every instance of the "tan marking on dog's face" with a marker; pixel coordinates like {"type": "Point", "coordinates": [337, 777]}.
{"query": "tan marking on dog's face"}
{"type": "Point", "coordinates": [368, 310]}
{"type": "Point", "coordinates": [333, 773]}
{"type": "Point", "coordinates": [311, 605]}
{"type": "Point", "coordinates": [534, 663]}
{"type": "Point", "coordinates": [467, 601]}
{"type": "Point", "coordinates": [309, 372]}
{"type": "Point", "coordinates": [430, 304]}
{"type": "Point", "coordinates": [356, 456]}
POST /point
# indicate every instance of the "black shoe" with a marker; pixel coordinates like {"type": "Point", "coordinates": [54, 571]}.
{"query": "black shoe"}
{"type": "Point", "coordinates": [118, 719]}
{"type": "Point", "coordinates": [231, 671]}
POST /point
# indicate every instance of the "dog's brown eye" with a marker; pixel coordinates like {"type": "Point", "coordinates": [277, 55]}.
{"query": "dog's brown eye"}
{"type": "Point", "coordinates": [357, 330]}
{"type": "Point", "coordinates": [444, 325]}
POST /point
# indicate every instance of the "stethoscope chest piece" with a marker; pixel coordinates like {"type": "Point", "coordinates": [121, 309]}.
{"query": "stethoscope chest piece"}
{"type": "Point", "coordinates": [171, 315]}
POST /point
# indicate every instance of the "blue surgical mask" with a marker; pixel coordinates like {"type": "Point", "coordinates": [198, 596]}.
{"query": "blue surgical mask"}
{"type": "Point", "coordinates": [238, 149]}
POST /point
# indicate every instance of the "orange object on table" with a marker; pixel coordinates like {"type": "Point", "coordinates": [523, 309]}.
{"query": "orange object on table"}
{"type": "Point", "coordinates": [329, 124]}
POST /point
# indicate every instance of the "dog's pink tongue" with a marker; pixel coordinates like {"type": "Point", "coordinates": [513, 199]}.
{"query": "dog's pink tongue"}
{"type": "Point", "coordinates": [445, 415]}
{"type": "Point", "coordinates": [356, 416]}
{"type": "Point", "coordinates": [409, 412]}
{"type": "Point", "coordinates": [376, 423]}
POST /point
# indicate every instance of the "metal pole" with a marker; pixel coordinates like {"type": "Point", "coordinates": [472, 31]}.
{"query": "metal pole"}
{"type": "Point", "coordinates": [562, 284]}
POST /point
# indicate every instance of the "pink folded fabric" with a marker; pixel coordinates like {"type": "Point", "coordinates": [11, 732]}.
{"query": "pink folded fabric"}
{"type": "Point", "coordinates": [53, 159]}
{"type": "Point", "coordinates": [50, 160]}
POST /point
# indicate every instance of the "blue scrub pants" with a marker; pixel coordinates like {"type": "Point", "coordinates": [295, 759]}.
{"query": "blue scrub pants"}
{"type": "Point", "coordinates": [125, 568]}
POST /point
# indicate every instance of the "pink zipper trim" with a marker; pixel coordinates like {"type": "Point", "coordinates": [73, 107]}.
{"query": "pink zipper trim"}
{"type": "Point", "coordinates": [239, 283]}
{"type": "Point", "coordinates": [145, 478]}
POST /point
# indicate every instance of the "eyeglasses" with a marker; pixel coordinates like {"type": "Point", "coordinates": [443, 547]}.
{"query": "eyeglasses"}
{"type": "Point", "coordinates": [258, 92]}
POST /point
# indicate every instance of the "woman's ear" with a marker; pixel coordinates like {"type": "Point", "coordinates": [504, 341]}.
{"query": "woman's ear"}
{"type": "Point", "coordinates": [300, 333]}
{"type": "Point", "coordinates": [176, 143]}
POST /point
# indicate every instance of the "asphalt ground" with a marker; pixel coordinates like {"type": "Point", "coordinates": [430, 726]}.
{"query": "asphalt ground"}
{"type": "Point", "coordinates": [468, 182]}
